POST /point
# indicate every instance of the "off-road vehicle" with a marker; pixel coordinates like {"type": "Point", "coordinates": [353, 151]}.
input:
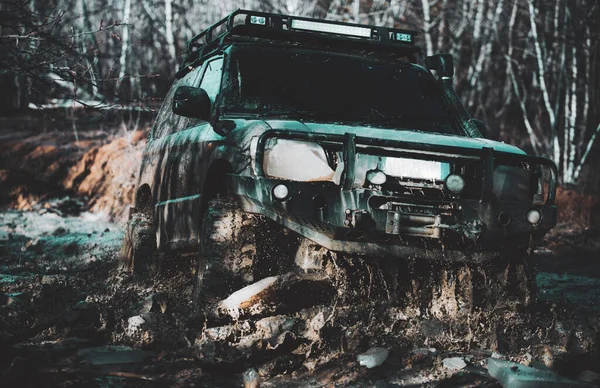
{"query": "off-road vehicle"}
{"type": "Point", "coordinates": [282, 127]}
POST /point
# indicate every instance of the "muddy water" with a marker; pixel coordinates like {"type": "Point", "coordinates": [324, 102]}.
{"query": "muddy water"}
{"type": "Point", "coordinates": [68, 317]}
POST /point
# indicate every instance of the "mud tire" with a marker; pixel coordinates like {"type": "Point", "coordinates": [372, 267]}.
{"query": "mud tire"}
{"type": "Point", "coordinates": [228, 248]}
{"type": "Point", "coordinates": [138, 250]}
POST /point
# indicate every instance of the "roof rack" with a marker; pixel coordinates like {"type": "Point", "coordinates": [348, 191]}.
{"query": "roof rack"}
{"type": "Point", "coordinates": [294, 28]}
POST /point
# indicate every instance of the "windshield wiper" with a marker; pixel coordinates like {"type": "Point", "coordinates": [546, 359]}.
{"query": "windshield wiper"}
{"type": "Point", "coordinates": [383, 120]}
{"type": "Point", "coordinates": [299, 115]}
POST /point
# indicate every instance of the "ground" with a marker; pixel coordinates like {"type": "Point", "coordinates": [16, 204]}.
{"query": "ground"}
{"type": "Point", "coordinates": [69, 317]}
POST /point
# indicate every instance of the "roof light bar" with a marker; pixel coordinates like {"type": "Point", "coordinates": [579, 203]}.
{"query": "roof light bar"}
{"type": "Point", "coordinates": [363, 32]}
{"type": "Point", "coordinates": [295, 28]}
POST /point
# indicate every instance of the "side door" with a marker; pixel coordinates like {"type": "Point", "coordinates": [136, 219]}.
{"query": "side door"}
{"type": "Point", "coordinates": [187, 164]}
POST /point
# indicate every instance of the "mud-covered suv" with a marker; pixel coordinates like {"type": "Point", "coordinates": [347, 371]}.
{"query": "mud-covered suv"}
{"type": "Point", "coordinates": [333, 133]}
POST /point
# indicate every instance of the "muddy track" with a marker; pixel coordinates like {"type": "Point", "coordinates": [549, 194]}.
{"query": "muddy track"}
{"type": "Point", "coordinates": [65, 307]}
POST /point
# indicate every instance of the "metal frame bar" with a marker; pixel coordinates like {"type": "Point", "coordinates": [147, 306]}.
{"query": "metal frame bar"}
{"type": "Point", "coordinates": [279, 26]}
{"type": "Point", "coordinates": [350, 142]}
{"type": "Point", "coordinates": [278, 21]}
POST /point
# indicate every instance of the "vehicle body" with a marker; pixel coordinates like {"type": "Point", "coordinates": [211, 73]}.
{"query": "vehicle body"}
{"type": "Point", "coordinates": [345, 140]}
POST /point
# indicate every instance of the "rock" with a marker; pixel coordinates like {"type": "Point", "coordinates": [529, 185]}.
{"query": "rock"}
{"type": "Point", "coordinates": [310, 256]}
{"type": "Point", "coordinates": [432, 327]}
{"type": "Point", "coordinates": [513, 375]}
{"type": "Point", "coordinates": [248, 296]}
{"type": "Point", "coordinates": [15, 297]}
{"type": "Point", "coordinates": [555, 357]}
{"type": "Point", "coordinates": [251, 378]}
{"type": "Point", "coordinates": [58, 280]}
{"type": "Point", "coordinates": [373, 357]}
{"type": "Point", "coordinates": [60, 231]}
{"type": "Point", "coordinates": [419, 356]}
{"type": "Point", "coordinates": [454, 363]}
{"type": "Point", "coordinates": [141, 328]}
{"type": "Point", "coordinates": [314, 326]}
{"type": "Point", "coordinates": [155, 303]}
{"type": "Point", "coordinates": [4, 278]}
{"type": "Point", "coordinates": [590, 377]}
{"type": "Point", "coordinates": [274, 293]}
{"type": "Point", "coordinates": [35, 245]}
{"type": "Point", "coordinates": [135, 324]}
{"type": "Point", "coordinates": [497, 355]}
{"type": "Point", "coordinates": [71, 248]}
{"type": "Point", "coordinates": [107, 355]}
{"type": "Point", "coordinates": [425, 351]}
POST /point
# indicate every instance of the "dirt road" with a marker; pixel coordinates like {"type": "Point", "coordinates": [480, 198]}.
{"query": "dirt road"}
{"type": "Point", "coordinates": [69, 318]}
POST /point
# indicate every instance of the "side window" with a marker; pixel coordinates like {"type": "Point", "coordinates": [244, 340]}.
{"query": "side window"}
{"type": "Point", "coordinates": [211, 82]}
{"type": "Point", "coordinates": [166, 121]}
{"type": "Point", "coordinates": [164, 113]}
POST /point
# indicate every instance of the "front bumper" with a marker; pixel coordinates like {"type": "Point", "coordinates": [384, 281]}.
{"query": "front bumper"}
{"type": "Point", "coordinates": [343, 221]}
{"type": "Point", "coordinates": [374, 221]}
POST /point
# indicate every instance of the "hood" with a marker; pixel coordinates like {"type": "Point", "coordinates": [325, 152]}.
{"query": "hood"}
{"type": "Point", "coordinates": [395, 134]}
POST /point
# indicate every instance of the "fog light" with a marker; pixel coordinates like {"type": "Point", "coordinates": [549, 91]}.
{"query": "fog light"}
{"type": "Point", "coordinates": [455, 183]}
{"type": "Point", "coordinates": [376, 177]}
{"type": "Point", "coordinates": [534, 216]}
{"type": "Point", "coordinates": [280, 192]}
{"type": "Point", "coordinates": [504, 219]}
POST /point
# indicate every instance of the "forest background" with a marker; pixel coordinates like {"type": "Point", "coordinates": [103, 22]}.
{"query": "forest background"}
{"type": "Point", "coordinates": [528, 68]}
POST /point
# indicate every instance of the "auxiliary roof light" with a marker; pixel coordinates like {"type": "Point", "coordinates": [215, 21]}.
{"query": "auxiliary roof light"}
{"type": "Point", "coordinates": [260, 20]}
{"type": "Point", "coordinates": [402, 37]}
{"type": "Point", "coordinates": [455, 183]}
{"type": "Point", "coordinates": [331, 28]}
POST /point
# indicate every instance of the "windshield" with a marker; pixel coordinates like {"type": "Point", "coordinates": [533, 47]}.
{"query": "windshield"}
{"type": "Point", "coordinates": [319, 86]}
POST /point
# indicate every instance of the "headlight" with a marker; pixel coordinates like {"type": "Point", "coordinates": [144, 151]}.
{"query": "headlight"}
{"type": "Point", "coordinates": [376, 177]}
{"type": "Point", "coordinates": [297, 161]}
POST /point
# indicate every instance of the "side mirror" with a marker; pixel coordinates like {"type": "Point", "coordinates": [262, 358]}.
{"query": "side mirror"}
{"type": "Point", "coordinates": [191, 102]}
{"type": "Point", "coordinates": [443, 64]}
{"type": "Point", "coordinates": [481, 127]}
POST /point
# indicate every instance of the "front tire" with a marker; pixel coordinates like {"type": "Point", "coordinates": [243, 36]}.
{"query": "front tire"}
{"type": "Point", "coordinates": [228, 246]}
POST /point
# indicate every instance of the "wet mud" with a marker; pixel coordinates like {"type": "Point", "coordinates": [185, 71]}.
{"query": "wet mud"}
{"type": "Point", "coordinates": [70, 317]}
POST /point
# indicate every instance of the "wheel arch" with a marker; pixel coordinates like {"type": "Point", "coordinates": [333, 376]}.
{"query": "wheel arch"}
{"type": "Point", "coordinates": [215, 182]}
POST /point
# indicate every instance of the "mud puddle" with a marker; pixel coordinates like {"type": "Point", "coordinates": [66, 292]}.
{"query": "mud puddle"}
{"type": "Point", "coordinates": [68, 317]}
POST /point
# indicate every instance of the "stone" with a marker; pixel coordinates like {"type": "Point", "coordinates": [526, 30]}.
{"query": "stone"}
{"type": "Point", "coordinates": [373, 357]}
{"type": "Point", "coordinates": [276, 293]}
{"type": "Point", "coordinates": [513, 375]}
{"type": "Point", "coordinates": [60, 231]}
{"type": "Point", "coordinates": [108, 355]}
{"type": "Point", "coordinates": [36, 245]}
{"type": "Point", "coordinates": [141, 328]}
{"type": "Point", "coordinates": [454, 363]}
{"type": "Point", "coordinates": [251, 378]}
{"type": "Point", "coordinates": [590, 377]}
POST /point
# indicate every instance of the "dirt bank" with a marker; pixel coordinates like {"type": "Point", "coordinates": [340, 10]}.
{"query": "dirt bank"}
{"type": "Point", "coordinates": [41, 160]}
